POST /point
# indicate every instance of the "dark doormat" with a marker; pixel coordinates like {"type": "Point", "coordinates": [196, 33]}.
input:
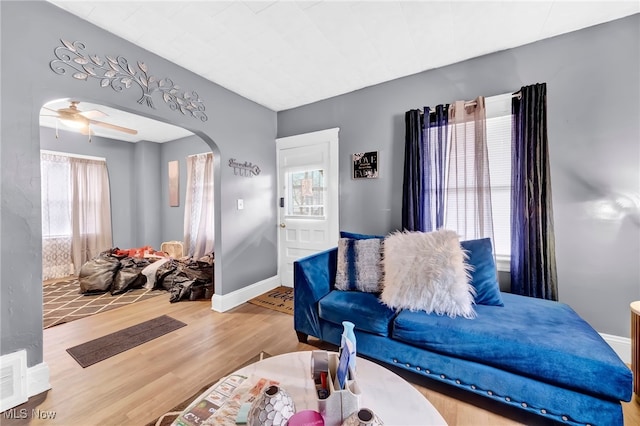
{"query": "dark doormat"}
{"type": "Point", "coordinates": [112, 344]}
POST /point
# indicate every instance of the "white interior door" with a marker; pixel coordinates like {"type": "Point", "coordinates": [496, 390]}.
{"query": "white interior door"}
{"type": "Point", "coordinates": [308, 197]}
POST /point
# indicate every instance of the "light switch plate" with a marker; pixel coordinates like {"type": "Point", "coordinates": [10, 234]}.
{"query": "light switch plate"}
{"type": "Point", "coordinates": [240, 204]}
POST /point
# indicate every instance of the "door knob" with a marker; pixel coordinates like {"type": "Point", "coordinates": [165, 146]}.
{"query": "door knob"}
{"type": "Point", "coordinates": [282, 225]}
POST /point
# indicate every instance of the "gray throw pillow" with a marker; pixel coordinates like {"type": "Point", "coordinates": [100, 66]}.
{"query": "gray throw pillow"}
{"type": "Point", "coordinates": [359, 265]}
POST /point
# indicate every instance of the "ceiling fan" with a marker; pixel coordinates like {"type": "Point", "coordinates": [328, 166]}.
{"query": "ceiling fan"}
{"type": "Point", "coordinates": [72, 117]}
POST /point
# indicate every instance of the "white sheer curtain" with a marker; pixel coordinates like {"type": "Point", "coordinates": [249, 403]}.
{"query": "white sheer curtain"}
{"type": "Point", "coordinates": [56, 216]}
{"type": "Point", "coordinates": [76, 212]}
{"type": "Point", "coordinates": [91, 209]}
{"type": "Point", "coordinates": [198, 212]}
{"type": "Point", "coordinates": [468, 186]}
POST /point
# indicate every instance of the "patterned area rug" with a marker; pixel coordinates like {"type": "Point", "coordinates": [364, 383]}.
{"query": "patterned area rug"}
{"type": "Point", "coordinates": [64, 303]}
{"type": "Point", "coordinates": [279, 299]}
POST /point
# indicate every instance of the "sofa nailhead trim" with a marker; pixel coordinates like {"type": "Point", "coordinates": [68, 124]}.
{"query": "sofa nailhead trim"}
{"type": "Point", "coordinates": [490, 393]}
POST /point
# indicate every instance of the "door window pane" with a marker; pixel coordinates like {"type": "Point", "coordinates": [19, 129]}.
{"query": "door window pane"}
{"type": "Point", "coordinates": [305, 193]}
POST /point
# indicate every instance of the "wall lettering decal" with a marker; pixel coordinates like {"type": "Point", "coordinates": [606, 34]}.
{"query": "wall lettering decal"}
{"type": "Point", "coordinates": [245, 169]}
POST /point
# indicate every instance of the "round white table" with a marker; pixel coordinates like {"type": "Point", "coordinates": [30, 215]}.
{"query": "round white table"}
{"type": "Point", "coordinates": [393, 399]}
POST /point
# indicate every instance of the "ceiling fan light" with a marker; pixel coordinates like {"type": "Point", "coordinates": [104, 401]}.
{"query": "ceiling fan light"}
{"type": "Point", "coordinates": [76, 124]}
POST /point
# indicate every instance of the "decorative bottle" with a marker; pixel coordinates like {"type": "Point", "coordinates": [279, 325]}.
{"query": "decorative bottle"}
{"type": "Point", "coordinates": [348, 334]}
{"type": "Point", "coordinates": [363, 417]}
{"type": "Point", "coordinates": [273, 407]}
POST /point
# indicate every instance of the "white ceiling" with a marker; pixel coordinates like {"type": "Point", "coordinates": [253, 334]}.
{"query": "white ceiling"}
{"type": "Point", "coordinates": [283, 54]}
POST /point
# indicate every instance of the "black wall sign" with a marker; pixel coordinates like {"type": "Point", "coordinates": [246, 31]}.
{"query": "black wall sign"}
{"type": "Point", "coordinates": [365, 165]}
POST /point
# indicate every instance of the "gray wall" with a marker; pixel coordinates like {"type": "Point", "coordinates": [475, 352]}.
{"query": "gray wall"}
{"type": "Point", "coordinates": [173, 217]}
{"type": "Point", "coordinates": [146, 193]}
{"type": "Point", "coordinates": [236, 128]}
{"type": "Point", "coordinates": [593, 109]}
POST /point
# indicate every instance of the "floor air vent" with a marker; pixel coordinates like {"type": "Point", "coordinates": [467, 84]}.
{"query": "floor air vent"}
{"type": "Point", "coordinates": [13, 380]}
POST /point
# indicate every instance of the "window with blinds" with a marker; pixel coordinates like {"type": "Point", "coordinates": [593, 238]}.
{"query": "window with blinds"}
{"type": "Point", "coordinates": [498, 125]}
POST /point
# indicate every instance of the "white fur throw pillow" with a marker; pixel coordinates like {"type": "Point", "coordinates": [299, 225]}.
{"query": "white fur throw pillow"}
{"type": "Point", "coordinates": [427, 271]}
{"type": "Point", "coordinates": [358, 265]}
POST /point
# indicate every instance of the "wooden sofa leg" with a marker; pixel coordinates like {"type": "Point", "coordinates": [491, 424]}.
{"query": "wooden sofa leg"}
{"type": "Point", "coordinates": [302, 337]}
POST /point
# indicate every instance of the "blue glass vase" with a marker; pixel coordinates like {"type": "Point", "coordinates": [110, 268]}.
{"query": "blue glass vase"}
{"type": "Point", "coordinates": [348, 334]}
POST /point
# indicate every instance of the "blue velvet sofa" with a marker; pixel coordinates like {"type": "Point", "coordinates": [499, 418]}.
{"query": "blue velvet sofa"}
{"type": "Point", "coordinates": [537, 355]}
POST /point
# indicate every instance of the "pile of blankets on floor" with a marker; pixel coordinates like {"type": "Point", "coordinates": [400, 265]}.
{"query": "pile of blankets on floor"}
{"type": "Point", "coordinates": [117, 271]}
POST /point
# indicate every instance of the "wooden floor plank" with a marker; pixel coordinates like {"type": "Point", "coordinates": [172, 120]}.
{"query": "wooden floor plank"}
{"type": "Point", "coordinates": [141, 384]}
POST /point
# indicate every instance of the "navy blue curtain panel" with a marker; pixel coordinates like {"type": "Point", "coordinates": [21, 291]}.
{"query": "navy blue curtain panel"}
{"type": "Point", "coordinates": [412, 190]}
{"type": "Point", "coordinates": [533, 258]}
{"type": "Point", "coordinates": [425, 161]}
{"type": "Point", "coordinates": [436, 137]}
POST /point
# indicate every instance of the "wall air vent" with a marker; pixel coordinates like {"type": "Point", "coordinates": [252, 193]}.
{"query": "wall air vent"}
{"type": "Point", "coordinates": [13, 379]}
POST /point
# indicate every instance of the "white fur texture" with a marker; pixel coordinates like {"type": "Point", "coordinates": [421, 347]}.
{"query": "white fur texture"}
{"type": "Point", "coordinates": [427, 271]}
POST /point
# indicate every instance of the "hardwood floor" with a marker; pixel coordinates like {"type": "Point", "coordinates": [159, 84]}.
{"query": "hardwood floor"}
{"type": "Point", "coordinates": [141, 384]}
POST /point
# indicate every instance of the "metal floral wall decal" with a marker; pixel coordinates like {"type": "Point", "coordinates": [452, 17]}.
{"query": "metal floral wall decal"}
{"type": "Point", "coordinates": [118, 73]}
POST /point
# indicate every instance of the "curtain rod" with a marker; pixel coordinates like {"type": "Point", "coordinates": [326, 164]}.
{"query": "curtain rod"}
{"type": "Point", "coordinates": [68, 154]}
{"type": "Point", "coordinates": [202, 153]}
{"type": "Point", "coordinates": [472, 103]}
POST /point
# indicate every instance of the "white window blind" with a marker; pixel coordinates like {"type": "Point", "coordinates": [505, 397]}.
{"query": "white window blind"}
{"type": "Point", "coordinates": [498, 125]}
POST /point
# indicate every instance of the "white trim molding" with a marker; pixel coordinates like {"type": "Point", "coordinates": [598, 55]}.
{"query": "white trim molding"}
{"type": "Point", "coordinates": [503, 263]}
{"type": "Point", "coordinates": [621, 345]}
{"type": "Point", "coordinates": [224, 302]}
{"type": "Point", "coordinates": [38, 379]}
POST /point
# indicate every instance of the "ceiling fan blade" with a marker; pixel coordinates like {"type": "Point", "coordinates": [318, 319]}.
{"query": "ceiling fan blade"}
{"type": "Point", "coordinates": [52, 110]}
{"type": "Point", "coordinates": [94, 113]}
{"type": "Point", "coordinates": [114, 127]}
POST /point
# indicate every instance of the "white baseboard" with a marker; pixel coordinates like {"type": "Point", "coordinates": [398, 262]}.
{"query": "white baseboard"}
{"type": "Point", "coordinates": [38, 379]}
{"type": "Point", "coordinates": [621, 345]}
{"type": "Point", "coordinates": [222, 303]}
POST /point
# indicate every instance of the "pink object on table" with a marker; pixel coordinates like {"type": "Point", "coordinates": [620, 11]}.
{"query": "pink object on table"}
{"type": "Point", "coordinates": [306, 418]}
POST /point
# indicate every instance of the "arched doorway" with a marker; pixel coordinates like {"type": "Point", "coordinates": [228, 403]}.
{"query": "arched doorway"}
{"type": "Point", "coordinates": [141, 212]}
